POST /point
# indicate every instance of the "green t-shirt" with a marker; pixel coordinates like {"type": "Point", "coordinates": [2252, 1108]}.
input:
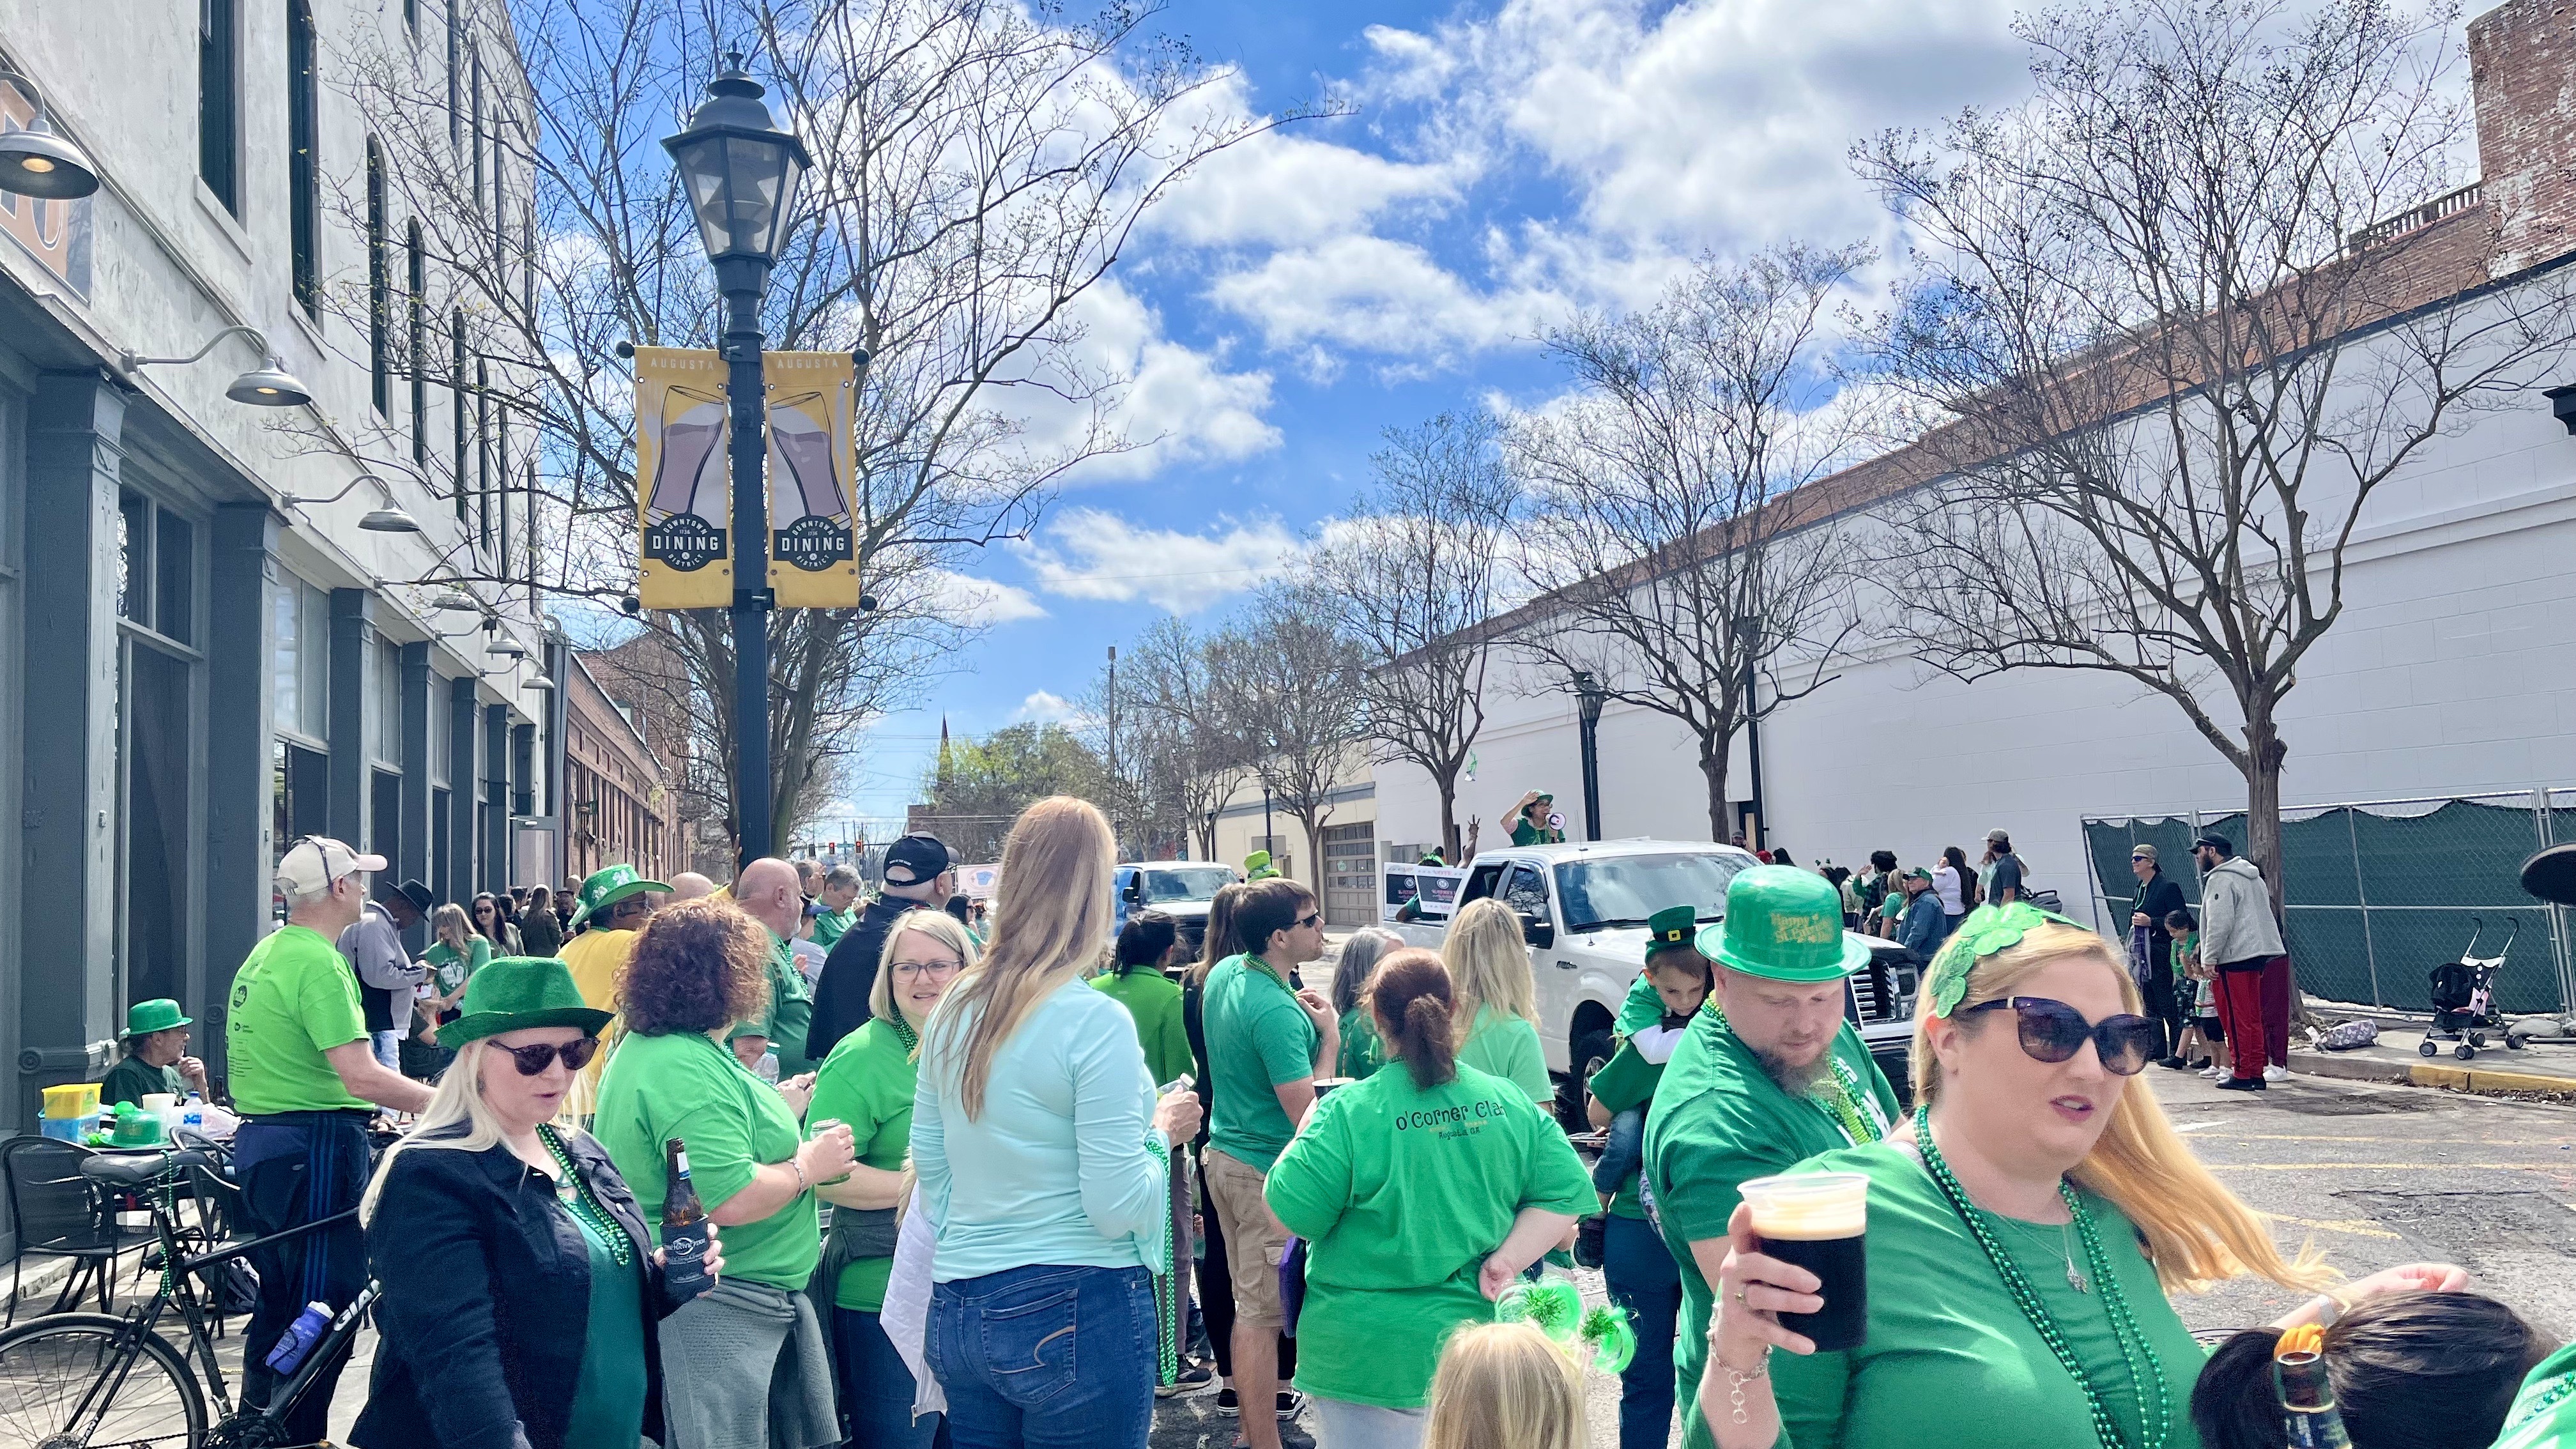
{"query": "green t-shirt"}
{"type": "Point", "coordinates": [293, 999]}
{"type": "Point", "coordinates": [1717, 1120]}
{"type": "Point", "coordinates": [2544, 1413]}
{"type": "Point", "coordinates": [1154, 999]}
{"type": "Point", "coordinates": [867, 1081]}
{"type": "Point", "coordinates": [133, 1078]}
{"type": "Point", "coordinates": [1507, 1046]}
{"type": "Point", "coordinates": [1949, 1366]}
{"type": "Point", "coordinates": [1401, 1194]}
{"type": "Point", "coordinates": [791, 1010]}
{"type": "Point", "coordinates": [1642, 1007]}
{"type": "Point", "coordinates": [1258, 1039]}
{"type": "Point", "coordinates": [608, 1392]}
{"type": "Point", "coordinates": [449, 971]}
{"type": "Point", "coordinates": [1362, 1050]}
{"type": "Point", "coordinates": [684, 1085]}
{"type": "Point", "coordinates": [831, 925]}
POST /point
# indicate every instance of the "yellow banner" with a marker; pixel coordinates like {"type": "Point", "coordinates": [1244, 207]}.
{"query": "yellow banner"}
{"type": "Point", "coordinates": [681, 490]}
{"type": "Point", "coordinates": [813, 464]}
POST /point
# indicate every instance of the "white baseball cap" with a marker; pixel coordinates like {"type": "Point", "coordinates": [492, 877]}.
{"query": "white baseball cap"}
{"type": "Point", "coordinates": [315, 862]}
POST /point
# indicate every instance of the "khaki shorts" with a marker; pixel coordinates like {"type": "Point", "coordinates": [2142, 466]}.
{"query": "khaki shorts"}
{"type": "Point", "coordinates": [1254, 1238]}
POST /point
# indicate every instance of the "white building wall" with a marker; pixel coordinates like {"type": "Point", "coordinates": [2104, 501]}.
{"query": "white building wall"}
{"type": "Point", "coordinates": [2452, 671]}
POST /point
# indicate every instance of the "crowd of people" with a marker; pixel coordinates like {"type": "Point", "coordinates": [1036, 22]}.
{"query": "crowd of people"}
{"type": "Point", "coordinates": [1011, 1186]}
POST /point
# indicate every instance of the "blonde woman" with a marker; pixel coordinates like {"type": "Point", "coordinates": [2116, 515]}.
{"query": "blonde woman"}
{"type": "Point", "coordinates": [456, 952]}
{"type": "Point", "coordinates": [868, 1083]}
{"type": "Point", "coordinates": [1042, 1154]}
{"type": "Point", "coordinates": [1505, 1386]}
{"type": "Point", "coordinates": [1497, 1018]}
{"type": "Point", "coordinates": [521, 1287]}
{"type": "Point", "coordinates": [2041, 1187]}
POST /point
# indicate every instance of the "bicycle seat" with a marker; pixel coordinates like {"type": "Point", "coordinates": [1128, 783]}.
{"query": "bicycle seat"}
{"type": "Point", "coordinates": [140, 1169]}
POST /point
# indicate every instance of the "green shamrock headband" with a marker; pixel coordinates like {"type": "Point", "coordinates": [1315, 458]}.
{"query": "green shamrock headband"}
{"type": "Point", "coordinates": [1555, 1307]}
{"type": "Point", "coordinates": [1987, 930]}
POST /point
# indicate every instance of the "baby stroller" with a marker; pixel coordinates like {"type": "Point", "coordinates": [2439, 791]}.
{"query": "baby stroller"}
{"type": "Point", "coordinates": [2462, 991]}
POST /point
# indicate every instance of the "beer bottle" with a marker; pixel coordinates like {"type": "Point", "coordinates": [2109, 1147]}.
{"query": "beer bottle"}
{"type": "Point", "coordinates": [2309, 1416]}
{"type": "Point", "coordinates": [684, 1229]}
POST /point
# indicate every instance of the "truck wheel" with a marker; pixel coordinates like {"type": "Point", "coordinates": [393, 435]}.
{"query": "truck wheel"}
{"type": "Point", "coordinates": [1591, 1052]}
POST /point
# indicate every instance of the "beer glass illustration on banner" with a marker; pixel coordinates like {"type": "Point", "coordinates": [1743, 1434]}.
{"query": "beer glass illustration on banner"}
{"type": "Point", "coordinates": [683, 484]}
{"type": "Point", "coordinates": [812, 460]}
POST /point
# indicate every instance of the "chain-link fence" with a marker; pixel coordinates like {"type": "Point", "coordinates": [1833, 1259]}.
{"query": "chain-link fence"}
{"type": "Point", "coordinates": [2379, 892]}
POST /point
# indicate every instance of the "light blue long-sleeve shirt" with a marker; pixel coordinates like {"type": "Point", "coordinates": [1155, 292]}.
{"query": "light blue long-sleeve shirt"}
{"type": "Point", "coordinates": [1061, 1167]}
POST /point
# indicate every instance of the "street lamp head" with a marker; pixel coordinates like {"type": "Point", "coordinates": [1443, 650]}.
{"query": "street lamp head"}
{"type": "Point", "coordinates": [36, 162]}
{"type": "Point", "coordinates": [271, 386]}
{"type": "Point", "coordinates": [389, 520]}
{"type": "Point", "coordinates": [740, 170]}
{"type": "Point", "coordinates": [456, 601]}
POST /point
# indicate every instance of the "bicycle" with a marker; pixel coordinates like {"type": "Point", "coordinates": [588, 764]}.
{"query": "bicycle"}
{"type": "Point", "coordinates": [95, 1380]}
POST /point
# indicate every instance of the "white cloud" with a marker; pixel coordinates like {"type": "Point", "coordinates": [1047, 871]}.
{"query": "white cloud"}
{"type": "Point", "coordinates": [1173, 403]}
{"type": "Point", "coordinates": [1370, 294]}
{"type": "Point", "coordinates": [1044, 707]}
{"type": "Point", "coordinates": [964, 599]}
{"type": "Point", "coordinates": [1088, 553]}
{"type": "Point", "coordinates": [1290, 188]}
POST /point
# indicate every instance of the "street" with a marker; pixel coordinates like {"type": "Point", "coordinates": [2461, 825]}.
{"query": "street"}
{"type": "Point", "coordinates": [2375, 1175]}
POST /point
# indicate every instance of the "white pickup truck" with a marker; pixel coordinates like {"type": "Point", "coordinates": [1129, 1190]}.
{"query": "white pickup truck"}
{"type": "Point", "coordinates": [1583, 909]}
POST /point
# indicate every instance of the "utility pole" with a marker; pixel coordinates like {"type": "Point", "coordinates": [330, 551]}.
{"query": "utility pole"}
{"type": "Point", "coordinates": [1117, 782]}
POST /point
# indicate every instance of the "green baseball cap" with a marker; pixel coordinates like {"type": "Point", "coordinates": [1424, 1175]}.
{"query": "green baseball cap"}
{"type": "Point", "coordinates": [606, 887]}
{"type": "Point", "coordinates": [516, 992]}
{"type": "Point", "coordinates": [1671, 926]}
{"type": "Point", "coordinates": [158, 1014]}
{"type": "Point", "coordinates": [1786, 924]}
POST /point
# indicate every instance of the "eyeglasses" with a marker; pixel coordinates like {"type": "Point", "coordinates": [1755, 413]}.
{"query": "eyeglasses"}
{"type": "Point", "coordinates": [2052, 1031]}
{"type": "Point", "coordinates": [934, 969]}
{"type": "Point", "coordinates": [533, 1060]}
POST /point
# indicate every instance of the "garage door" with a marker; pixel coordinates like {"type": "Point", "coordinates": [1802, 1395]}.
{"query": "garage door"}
{"type": "Point", "coordinates": [1350, 875]}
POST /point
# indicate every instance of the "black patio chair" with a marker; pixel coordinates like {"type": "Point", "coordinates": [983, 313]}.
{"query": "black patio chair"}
{"type": "Point", "coordinates": [57, 1212]}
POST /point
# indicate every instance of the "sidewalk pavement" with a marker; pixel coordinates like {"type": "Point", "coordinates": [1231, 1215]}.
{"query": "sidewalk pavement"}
{"type": "Point", "coordinates": [2542, 1068]}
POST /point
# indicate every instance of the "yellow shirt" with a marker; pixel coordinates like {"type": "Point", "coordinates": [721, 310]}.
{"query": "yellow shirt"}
{"type": "Point", "coordinates": [594, 958]}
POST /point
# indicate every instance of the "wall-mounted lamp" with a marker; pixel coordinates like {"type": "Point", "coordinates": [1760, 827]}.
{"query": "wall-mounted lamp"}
{"type": "Point", "coordinates": [37, 162]}
{"type": "Point", "coordinates": [269, 385]}
{"type": "Point", "coordinates": [388, 519]}
{"type": "Point", "coordinates": [2562, 405]}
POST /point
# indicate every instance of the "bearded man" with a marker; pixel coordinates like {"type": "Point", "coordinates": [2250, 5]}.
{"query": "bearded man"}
{"type": "Point", "coordinates": [1769, 1074]}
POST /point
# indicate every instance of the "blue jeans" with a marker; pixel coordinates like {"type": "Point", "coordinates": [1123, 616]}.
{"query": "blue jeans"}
{"type": "Point", "coordinates": [1624, 1153]}
{"type": "Point", "coordinates": [1639, 1272]}
{"type": "Point", "coordinates": [876, 1388]}
{"type": "Point", "coordinates": [1047, 1355]}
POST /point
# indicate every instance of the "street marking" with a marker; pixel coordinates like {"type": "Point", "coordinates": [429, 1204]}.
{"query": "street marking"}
{"type": "Point", "coordinates": [2368, 1166]}
{"type": "Point", "coordinates": [2356, 1227]}
{"type": "Point", "coordinates": [2197, 1126]}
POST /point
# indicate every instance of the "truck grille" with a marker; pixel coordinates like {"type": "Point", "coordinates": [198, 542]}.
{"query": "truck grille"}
{"type": "Point", "coordinates": [1879, 992]}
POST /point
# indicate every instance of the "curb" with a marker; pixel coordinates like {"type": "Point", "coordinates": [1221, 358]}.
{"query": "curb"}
{"type": "Point", "coordinates": [2474, 1080]}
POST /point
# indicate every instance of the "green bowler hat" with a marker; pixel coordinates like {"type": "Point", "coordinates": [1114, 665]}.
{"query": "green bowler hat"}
{"type": "Point", "coordinates": [606, 887]}
{"type": "Point", "coordinates": [158, 1014]}
{"type": "Point", "coordinates": [516, 992]}
{"type": "Point", "coordinates": [1671, 926]}
{"type": "Point", "coordinates": [1784, 923]}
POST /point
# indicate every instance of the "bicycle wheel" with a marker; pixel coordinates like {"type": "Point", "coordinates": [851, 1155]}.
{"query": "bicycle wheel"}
{"type": "Point", "coordinates": [54, 1392]}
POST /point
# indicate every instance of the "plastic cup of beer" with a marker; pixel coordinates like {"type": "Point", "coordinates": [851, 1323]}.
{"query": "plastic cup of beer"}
{"type": "Point", "coordinates": [1819, 1221]}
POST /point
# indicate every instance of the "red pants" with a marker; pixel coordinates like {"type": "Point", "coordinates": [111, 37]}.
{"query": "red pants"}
{"type": "Point", "coordinates": [2244, 993]}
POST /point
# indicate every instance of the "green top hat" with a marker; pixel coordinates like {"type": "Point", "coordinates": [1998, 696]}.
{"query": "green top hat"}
{"type": "Point", "coordinates": [1786, 924]}
{"type": "Point", "coordinates": [158, 1014]}
{"type": "Point", "coordinates": [516, 992]}
{"type": "Point", "coordinates": [606, 887]}
{"type": "Point", "coordinates": [1256, 866]}
{"type": "Point", "coordinates": [1672, 926]}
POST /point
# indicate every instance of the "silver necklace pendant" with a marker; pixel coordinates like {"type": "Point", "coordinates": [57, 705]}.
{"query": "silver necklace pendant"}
{"type": "Point", "coordinates": [2075, 1279]}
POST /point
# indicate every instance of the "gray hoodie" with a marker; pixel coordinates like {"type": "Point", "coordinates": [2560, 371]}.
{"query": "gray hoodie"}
{"type": "Point", "coordinates": [2236, 915]}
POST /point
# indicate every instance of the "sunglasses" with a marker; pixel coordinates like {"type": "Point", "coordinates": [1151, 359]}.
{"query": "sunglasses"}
{"type": "Point", "coordinates": [2052, 1031]}
{"type": "Point", "coordinates": [533, 1060]}
{"type": "Point", "coordinates": [1310, 918]}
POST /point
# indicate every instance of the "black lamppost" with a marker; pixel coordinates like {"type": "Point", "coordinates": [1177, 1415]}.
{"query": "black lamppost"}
{"type": "Point", "coordinates": [1589, 697]}
{"type": "Point", "coordinates": [1748, 630]}
{"type": "Point", "coordinates": [741, 173]}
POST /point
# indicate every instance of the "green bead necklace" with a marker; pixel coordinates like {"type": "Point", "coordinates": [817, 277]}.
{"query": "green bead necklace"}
{"type": "Point", "coordinates": [2155, 1401]}
{"type": "Point", "coordinates": [576, 1198]}
{"type": "Point", "coordinates": [904, 1033]}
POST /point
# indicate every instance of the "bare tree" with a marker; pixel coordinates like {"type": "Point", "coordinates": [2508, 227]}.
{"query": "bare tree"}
{"type": "Point", "coordinates": [1287, 690]}
{"type": "Point", "coordinates": [977, 169]}
{"type": "Point", "coordinates": [1172, 686]}
{"type": "Point", "coordinates": [2181, 348]}
{"type": "Point", "coordinates": [1414, 575]}
{"type": "Point", "coordinates": [1679, 565]}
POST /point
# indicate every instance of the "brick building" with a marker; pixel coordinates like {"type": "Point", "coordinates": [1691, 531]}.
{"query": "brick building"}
{"type": "Point", "coordinates": [618, 804]}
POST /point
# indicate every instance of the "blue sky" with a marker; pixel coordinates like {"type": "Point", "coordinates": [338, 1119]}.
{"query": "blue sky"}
{"type": "Point", "coordinates": [1506, 162]}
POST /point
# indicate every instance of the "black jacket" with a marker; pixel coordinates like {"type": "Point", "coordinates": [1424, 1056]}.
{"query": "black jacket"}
{"type": "Point", "coordinates": [486, 1286]}
{"type": "Point", "coordinates": [2158, 898]}
{"type": "Point", "coordinates": [849, 974]}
